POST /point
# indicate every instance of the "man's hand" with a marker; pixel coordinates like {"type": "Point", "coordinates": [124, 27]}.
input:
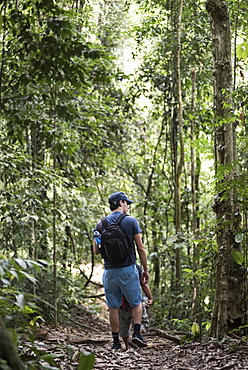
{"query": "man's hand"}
{"type": "Point", "coordinates": [145, 277]}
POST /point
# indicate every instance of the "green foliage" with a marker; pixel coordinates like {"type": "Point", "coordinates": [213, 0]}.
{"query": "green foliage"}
{"type": "Point", "coordinates": [195, 328]}
{"type": "Point", "coordinates": [237, 257]}
{"type": "Point", "coordinates": [88, 107]}
{"type": "Point", "coordinates": [19, 308]}
{"type": "Point", "coordinates": [183, 324]}
{"type": "Point", "coordinates": [86, 361]}
{"type": "Point", "coordinates": [242, 50]}
{"type": "Point", "coordinates": [4, 365]}
{"type": "Point", "coordinates": [16, 303]}
{"type": "Point", "coordinates": [36, 358]}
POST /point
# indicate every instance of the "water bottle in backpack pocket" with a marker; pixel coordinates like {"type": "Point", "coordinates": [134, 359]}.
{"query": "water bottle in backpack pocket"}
{"type": "Point", "coordinates": [97, 237]}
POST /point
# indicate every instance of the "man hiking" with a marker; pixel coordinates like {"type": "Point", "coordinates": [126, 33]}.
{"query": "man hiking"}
{"type": "Point", "coordinates": [121, 276]}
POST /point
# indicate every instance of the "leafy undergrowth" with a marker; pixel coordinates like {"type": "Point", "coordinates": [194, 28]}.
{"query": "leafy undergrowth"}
{"type": "Point", "coordinates": [90, 332]}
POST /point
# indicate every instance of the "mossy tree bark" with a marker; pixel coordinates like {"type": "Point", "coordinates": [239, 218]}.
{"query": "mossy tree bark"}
{"type": "Point", "coordinates": [227, 313]}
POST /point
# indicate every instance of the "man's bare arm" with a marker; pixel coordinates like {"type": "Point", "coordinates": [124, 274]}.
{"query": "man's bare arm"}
{"type": "Point", "coordinates": [95, 248]}
{"type": "Point", "coordinates": [142, 256]}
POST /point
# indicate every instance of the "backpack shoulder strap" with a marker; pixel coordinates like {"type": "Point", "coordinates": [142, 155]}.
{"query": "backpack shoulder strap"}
{"type": "Point", "coordinates": [120, 218]}
{"type": "Point", "coordinates": [118, 221]}
{"type": "Point", "coordinates": [104, 222]}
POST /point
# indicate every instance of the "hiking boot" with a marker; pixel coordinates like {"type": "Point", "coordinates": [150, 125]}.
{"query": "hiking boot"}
{"type": "Point", "coordinates": [116, 345]}
{"type": "Point", "coordinates": [133, 345]}
{"type": "Point", "coordinates": [139, 340]}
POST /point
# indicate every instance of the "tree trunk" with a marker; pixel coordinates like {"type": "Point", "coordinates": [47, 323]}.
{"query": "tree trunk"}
{"type": "Point", "coordinates": [156, 265]}
{"type": "Point", "coordinates": [195, 198]}
{"type": "Point", "coordinates": [177, 137]}
{"type": "Point", "coordinates": [8, 351]}
{"type": "Point", "coordinates": [227, 313]}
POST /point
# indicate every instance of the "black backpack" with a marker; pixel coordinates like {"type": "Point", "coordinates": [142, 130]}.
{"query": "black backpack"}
{"type": "Point", "coordinates": [115, 244]}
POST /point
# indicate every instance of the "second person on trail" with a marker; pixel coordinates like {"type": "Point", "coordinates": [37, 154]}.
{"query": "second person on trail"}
{"type": "Point", "coordinates": [120, 275]}
{"type": "Point", "coordinates": [125, 313]}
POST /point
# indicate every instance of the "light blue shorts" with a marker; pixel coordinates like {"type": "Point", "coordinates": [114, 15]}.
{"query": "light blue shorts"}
{"type": "Point", "coordinates": [120, 281]}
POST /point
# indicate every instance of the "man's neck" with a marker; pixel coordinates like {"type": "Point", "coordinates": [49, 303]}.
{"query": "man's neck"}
{"type": "Point", "coordinates": [119, 209]}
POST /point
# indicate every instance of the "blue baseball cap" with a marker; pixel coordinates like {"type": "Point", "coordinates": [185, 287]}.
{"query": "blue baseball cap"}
{"type": "Point", "coordinates": [119, 195]}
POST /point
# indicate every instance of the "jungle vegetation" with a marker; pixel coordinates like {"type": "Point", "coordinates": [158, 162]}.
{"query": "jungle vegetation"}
{"type": "Point", "coordinates": [147, 97]}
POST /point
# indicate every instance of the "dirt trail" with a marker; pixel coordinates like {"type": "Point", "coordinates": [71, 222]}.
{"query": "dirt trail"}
{"type": "Point", "coordinates": [93, 334]}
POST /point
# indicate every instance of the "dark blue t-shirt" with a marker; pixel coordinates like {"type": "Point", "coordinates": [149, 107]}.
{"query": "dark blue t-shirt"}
{"type": "Point", "coordinates": [131, 226]}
